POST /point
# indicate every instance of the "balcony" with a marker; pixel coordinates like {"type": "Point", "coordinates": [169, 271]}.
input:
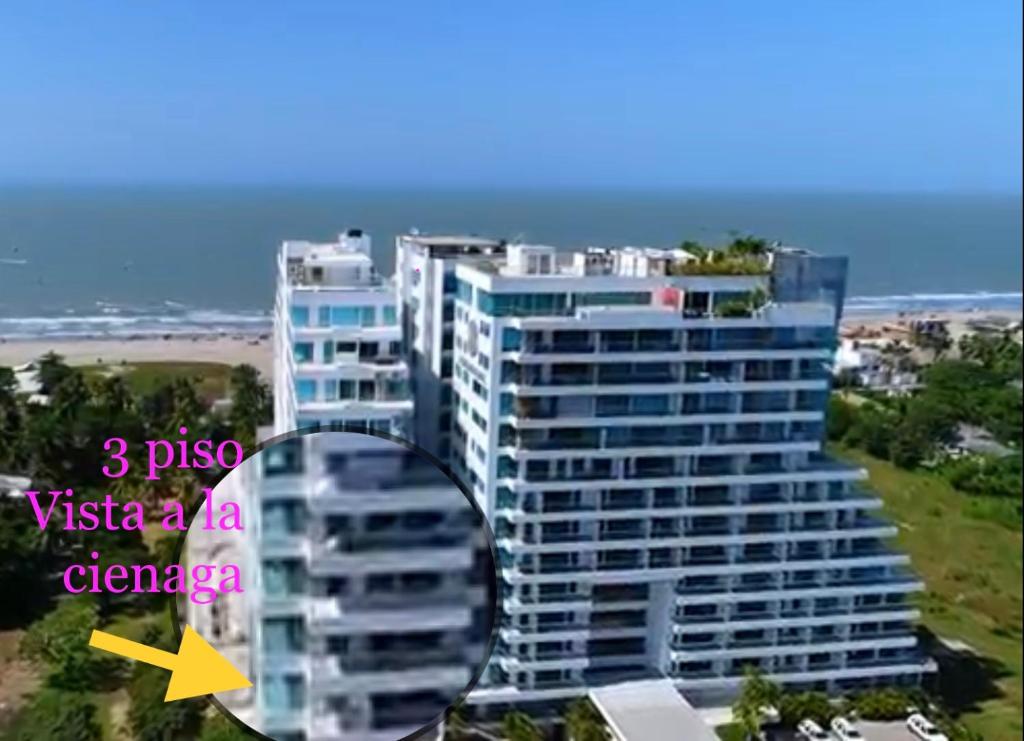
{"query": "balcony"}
{"type": "Point", "coordinates": [629, 346]}
{"type": "Point", "coordinates": [541, 348]}
{"type": "Point", "coordinates": [628, 379]}
{"type": "Point", "coordinates": [398, 660]}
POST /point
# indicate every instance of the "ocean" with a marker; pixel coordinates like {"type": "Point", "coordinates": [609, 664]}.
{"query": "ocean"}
{"type": "Point", "coordinates": [84, 261]}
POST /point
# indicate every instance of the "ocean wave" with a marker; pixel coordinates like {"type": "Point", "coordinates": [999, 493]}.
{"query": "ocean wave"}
{"type": "Point", "coordinates": [111, 320]}
{"type": "Point", "coordinates": [918, 302]}
{"type": "Point", "coordinates": [123, 322]}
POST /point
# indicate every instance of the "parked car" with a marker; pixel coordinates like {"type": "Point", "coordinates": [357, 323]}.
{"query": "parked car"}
{"type": "Point", "coordinates": [845, 730]}
{"type": "Point", "coordinates": [808, 730]}
{"type": "Point", "coordinates": [924, 728]}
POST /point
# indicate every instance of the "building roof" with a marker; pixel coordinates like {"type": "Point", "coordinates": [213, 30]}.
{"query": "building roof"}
{"type": "Point", "coordinates": [650, 710]}
{"type": "Point", "coordinates": [453, 240]}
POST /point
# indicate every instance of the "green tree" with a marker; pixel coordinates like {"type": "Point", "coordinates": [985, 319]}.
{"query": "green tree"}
{"type": "Point", "coordinates": [219, 728]}
{"type": "Point", "coordinates": [187, 408]}
{"type": "Point", "coordinates": [70, 396]}
{"type": "Point", "coordinates": [748, 246]}
{"type": "Point", "coordinates": [910, 445]}
{"type": "Point", "coordinates": [54, 715]}
{"type": "Point", "coordinates": [249, 403]}
{"type": "Point", "coordinates": [757, 694]}
{"type": "Point", "coordinates": [23, 557]}
{"type": "Point", "coordinates": [113, 395]}
{"type": "Point", "coordinates": [871, 430]}
{"type": "Point", "coordinates": [887, 703]}
{"type": "Point", "coordinates": [60, 641]}
{"type": "Point", "coordinates": [150, 718]}
{"type": "Point", "coordinates": [518, 726]}
{"type": "Point", "coordinates": [456, 728]}
{"type": "Point", "coordinates": [584, 722]}
{"type": "Point", "coordinates": [839, 417]}
{"type": "Point", "coordinates": [51, 370]}
{"type": "Point", "coordinates": [12, 456]}
{"type": "Point", "coordinates": [694, 248]}
{"type": "Point", "coordinates": [795, 707]}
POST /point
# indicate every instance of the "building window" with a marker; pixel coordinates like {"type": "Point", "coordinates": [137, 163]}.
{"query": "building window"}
{"type": "Point", "coordinates": [367, 316]}
{"type": "Point", "coordinates": [511, 339]}
{"type": "Point", "coordinates": [303, 352]}
{"type": "Point", "coordinates": [323, 316]}
{"type": "Point", "coordinates": [305, 389]}
{"type": "Point", "coordinates": [345, 316]}
{"type": "Point", "coordinates": [464, 291]}
{"type": "Point", "coordinates": [631, 298]}
{"type": "Point", "coordinates": [283, 458]}
{"type": "Point", "coordinates": [390, 315]}
{"type": "Point", "coordinates": [300, 316]}
{"type": "Point", "coordinates": [329, 352]}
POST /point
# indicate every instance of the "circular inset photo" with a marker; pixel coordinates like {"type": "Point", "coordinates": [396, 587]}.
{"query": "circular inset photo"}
{"type": "Point", "coordinates": [367, 591]}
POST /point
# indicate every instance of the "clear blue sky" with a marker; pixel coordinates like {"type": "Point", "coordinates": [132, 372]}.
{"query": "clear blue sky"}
{"type": "Point", "coordinates": [895, 95]}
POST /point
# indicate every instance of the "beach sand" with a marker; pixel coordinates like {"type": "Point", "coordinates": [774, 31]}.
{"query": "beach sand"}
{"type": "Point", "coordinates": [236, 349]}
{"type": "Point", "coordinates": [207, 348]}
{"type": "Point", "coordinates": [958, 322]}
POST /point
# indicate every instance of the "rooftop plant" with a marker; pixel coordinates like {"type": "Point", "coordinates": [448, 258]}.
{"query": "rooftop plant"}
{"type": "Point", "coordinates": [742, 256]}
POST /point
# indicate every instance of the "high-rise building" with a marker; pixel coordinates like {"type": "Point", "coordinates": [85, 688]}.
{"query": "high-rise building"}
{"type": "Point", "coordinates": [367, 607]}
{"type": "Point", "coordinates": [338, 356]}
{"type": "Point", "coordinates": [425, 278]}
{"type": "Point", "coordinates": [644, 429]}
{"type": "Point", "coordinates": [369, 598]}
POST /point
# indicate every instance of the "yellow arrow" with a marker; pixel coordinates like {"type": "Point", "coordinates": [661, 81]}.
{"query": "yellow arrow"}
{"type": "Point", "coordinates": [197, 669]}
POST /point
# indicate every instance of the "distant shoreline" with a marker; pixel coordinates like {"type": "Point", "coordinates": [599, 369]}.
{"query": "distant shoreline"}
{"type": "Point", "coordinates": [255, 347]}
{"type": "Point", "coordinates": [179, 322]}
{"type": "Point", "coordinates": [230, 350]}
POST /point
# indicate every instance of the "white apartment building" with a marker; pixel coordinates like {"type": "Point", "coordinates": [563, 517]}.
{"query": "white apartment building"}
{"type": "Point", "coordinates": [338, 356]}
{"type": "Point", "coordinates": [425, 278]}
{"type": "Point", "coordinates": [367, 597]}
{"type": "Point", "coordinates": [648, 447]}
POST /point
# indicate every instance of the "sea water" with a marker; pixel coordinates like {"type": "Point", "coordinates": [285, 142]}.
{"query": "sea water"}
{"type": "Point", "coordinates": [150, 260]}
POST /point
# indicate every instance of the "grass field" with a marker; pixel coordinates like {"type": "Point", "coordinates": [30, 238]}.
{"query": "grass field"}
{"type": "Point", "coordinates": [211, 378]}
{"type": "Point", "coordinates": [972, 568]}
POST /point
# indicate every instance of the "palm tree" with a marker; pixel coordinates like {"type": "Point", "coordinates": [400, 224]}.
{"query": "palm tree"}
{"type": "Point", "coordinates": [517, 726]}
{"type": "Point", "coordinates": [584, 722]}
{"type": "Point", "coordinates": [11, 422]}
{"type": "Point", "coordinates": [756, 695]}
{"type": "Point", "coordinates": [50, 371]}
{"type": "Point", "coordinates": [249, 403]}
{"type": "Point", "coordinates": [114, 396]}
{"type": "Point", "coordinates": [70, 396]}
{"type": "Point", "coordinates": [455, 726]}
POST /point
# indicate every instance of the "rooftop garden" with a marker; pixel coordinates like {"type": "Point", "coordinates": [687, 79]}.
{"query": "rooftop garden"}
{"type": "Point", "coordinates": [742, 306]}
{"type": "Point", "coordinates": [743, 256]}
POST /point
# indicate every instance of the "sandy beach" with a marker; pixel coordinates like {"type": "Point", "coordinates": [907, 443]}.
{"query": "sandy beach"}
{"type": "Point", "coordinates": [958, 324]}
{"type": "Point", "coordinates": [232, 350]}
{"type": "Point", "coordinates": [257, 351]}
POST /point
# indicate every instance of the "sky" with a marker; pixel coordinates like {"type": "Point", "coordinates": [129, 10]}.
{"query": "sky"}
{"type": "Point", "coordinates": [831, 95]}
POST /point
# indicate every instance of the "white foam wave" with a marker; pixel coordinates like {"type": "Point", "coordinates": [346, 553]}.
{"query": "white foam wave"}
{"type": "Point", "coordinates": [115, 322]}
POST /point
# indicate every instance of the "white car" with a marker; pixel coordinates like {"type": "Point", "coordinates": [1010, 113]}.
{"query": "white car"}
{"type": "Point", "coordinates": [844, 730]}
{"type": "Point", "coordinates": [808, 730]}
{"type": "Point", "coordinates": [923, 728]}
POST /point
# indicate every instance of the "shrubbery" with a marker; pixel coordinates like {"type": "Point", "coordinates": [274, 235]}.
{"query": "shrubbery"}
{"type": "Point", "coordinates": [795, 707]}
{"type": "Point", "coordinates": [151, 718]}
{"type": "Point", "coordinates": [981, 390]}
{"type": "Point", "coordinates": [53, 714]}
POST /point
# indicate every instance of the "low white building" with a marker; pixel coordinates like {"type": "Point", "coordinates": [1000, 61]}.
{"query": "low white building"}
{"type": "Point", "coordinates": [867, 364]}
